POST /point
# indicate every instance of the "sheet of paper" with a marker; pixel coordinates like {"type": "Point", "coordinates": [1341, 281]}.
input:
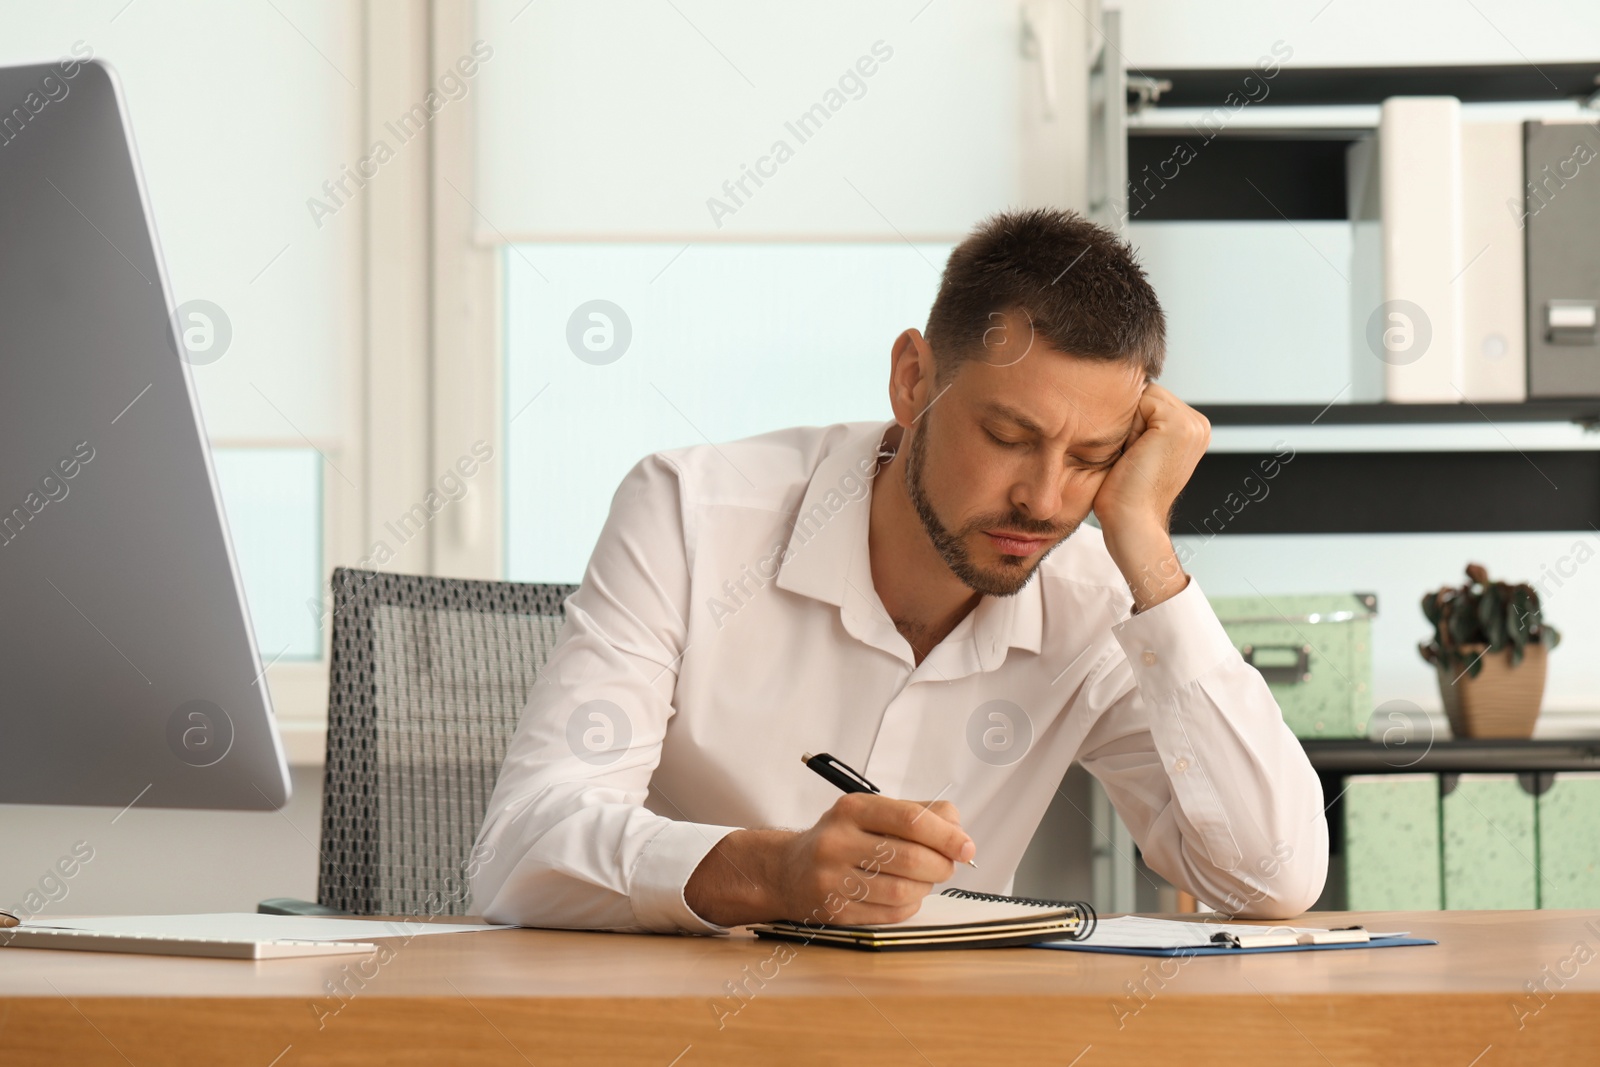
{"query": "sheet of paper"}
{"type": "Point", "coordinates": [1138, 931]}
{"type": "Point", "coordinates": [248, 926]}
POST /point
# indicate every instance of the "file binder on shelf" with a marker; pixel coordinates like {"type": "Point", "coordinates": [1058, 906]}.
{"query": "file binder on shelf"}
{"type": "Point", "coordinates": [1415, 331]}
{"type": "Point", "coordinates": [1451, 269]}
{"type": "Point", "coordinates": [1494, 348]}
{"type": "Point", "coordinates": [1562, 171]}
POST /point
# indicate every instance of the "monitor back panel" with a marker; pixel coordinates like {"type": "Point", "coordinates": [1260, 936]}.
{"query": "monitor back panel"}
{"type": "Point", "coordinates": [127, 664]}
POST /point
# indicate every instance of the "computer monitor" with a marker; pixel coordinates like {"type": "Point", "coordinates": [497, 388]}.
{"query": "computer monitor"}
{"type": "Point", "coordinates": [128, 669]}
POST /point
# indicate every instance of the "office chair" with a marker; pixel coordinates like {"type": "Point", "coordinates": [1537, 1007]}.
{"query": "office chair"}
{"type": "Point", "coordinates": [426, 682]}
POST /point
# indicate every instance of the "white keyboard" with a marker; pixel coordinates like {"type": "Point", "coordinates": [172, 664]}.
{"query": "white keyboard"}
{"type": "Point", "coordinates": [166, 945]}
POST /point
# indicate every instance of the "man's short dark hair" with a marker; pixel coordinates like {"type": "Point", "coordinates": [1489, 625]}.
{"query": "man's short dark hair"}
{"type": "Point", "coordinates": [1078, 283]}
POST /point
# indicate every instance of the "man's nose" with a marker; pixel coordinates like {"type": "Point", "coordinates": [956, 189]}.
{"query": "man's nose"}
{"type": "Point", "coordinates": [1040, 494]}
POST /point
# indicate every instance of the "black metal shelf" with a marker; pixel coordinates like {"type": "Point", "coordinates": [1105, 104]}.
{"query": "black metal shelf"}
{"type": "Point", "coordinates": [1312, 86]}
{"type": "Point", "coordinates": [1235, 177]}
{"type": "Point", "coordinates": [1582, 410]}
{"type": "Point", "coordinates": [1362, 491]}
{"type": "Point", "coordinates": [1391, 492]}
{"type": "Point", "coordinates": [1419, 756]}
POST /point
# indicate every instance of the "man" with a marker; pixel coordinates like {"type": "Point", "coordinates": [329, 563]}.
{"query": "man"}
{"type": "Point", "coordinates": [922, 600]}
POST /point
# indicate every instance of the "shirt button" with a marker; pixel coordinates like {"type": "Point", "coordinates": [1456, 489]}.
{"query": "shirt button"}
{"type": "Point", "coordinates": [1180, 765]}
{"type": "Point", "coordinates": [1149, 658]}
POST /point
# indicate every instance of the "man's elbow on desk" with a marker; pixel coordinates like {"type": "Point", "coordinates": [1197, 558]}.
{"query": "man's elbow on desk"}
{"type": "Point", "coordinates": [550, 901]}
{"type": "Point", "coordinates": [1279, 887]}
{"type": "Point", "coordinates": [1286, 898]}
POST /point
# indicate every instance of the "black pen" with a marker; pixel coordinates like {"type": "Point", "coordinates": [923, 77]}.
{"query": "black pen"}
{"type": "Point", "coordinates": [843, 777]}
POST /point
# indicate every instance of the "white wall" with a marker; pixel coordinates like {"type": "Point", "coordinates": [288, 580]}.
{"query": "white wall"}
{"type": "Point", "coordinates": [1256, 311]}
{"type": "Point", "coordinates": [149, 862]}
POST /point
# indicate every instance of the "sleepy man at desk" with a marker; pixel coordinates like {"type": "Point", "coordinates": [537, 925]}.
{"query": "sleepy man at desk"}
{"type": "Point", "coordinates": [923, 600]}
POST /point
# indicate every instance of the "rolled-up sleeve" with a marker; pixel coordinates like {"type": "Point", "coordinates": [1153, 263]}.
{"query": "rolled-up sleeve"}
{"type": "Point", "coordinates": [567, 840]}
{"type": "Point", "coordinates": [1193, 752]}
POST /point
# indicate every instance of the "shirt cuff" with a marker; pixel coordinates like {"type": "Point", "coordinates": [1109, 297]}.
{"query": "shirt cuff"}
{"type": "Point", "coordinates": [1175, 642]}
{"type": "Point", "coordinates": [662, 871]}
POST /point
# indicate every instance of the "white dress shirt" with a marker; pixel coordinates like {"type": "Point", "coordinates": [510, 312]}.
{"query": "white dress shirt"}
{"type": "Point", "coordinates": [728, 622]}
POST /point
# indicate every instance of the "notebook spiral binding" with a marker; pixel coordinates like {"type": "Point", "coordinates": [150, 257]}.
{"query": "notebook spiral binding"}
{"type": "Point", "coordinates": [1087, 919]}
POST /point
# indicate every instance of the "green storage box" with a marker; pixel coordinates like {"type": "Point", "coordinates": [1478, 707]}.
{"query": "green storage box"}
{"type": "Point", "coordinates": [1569, 841]}
{"type": "Point", "coordinates": [1391, 843]}
{"type": "Point", "coordinates": [1315, 653]}
{"type": "Point", "coordinates": [1489, 843]}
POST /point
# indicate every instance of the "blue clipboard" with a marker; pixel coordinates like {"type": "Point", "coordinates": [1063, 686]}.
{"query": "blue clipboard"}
{"type": "Point", "coordinates": [1225, 950]}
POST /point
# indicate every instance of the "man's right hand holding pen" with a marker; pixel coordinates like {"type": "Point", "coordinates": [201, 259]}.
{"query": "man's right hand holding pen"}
{"type": "Point", "coordinates": [869, 859]}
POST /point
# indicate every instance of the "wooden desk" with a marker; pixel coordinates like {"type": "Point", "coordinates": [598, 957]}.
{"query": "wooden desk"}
{"type": "Point", "coordinates": [550, 997]}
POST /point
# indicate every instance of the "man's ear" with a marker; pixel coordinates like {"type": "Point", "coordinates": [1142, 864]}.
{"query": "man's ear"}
{"type": "Point", "coordinates": [911, 376]}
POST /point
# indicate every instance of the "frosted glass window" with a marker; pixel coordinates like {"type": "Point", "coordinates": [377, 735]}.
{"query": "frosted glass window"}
{"type": "Point", "coordinates": [861, 120]}
{"type": "Point", "coordinates": [701, 342]}
{"type": "Point", "coordinates": [273, 500]}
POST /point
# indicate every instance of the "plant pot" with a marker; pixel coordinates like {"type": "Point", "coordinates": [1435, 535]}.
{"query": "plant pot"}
{"type": "Point", "coordinates": [1502, 701]}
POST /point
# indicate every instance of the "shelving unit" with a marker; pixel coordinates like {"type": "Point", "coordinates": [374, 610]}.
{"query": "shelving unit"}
{"type": "Point", "coordinates": [1293, 170]}
{"type": "Point", "coordinates": [1256, 171]}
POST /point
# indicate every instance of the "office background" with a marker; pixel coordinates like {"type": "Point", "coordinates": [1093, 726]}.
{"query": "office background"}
{"type": "Point", "coordinates": [386, 306]}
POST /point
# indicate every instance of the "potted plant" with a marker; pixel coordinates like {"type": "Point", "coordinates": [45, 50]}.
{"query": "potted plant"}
{"type": "Point", "coordinates": [1489, 647]}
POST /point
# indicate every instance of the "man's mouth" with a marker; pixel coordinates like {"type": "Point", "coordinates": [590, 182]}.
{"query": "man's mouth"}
{"type": "Point", "coordinates": [1013, 544]}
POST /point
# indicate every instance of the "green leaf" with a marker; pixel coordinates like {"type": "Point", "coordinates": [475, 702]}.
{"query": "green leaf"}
{"type": "Point", "coordinates": [1492, 618]}
{"type": "Point", "coordinates": [1477, 665]}
{"type": "Point", "coordinates": [1463, 622]}
{"type": "Point", "coordinates": [1488, 605]}
{"type": "Point", "coordinates": [1526, 607]}
{"type": "Point", "coordinates": [1516, 655]}
{"type": "Point", "coordinates": [1518, 629]}
{"type": "Point", "coordinates": [1430, 608]}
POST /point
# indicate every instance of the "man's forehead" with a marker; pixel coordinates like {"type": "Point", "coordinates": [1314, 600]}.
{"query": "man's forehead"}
{"type": "Point", "coordinates": [1052, 393]}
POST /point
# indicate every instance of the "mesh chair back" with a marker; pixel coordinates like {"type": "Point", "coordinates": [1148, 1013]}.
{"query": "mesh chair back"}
{"type": "Point", "coordinates": [427, 679]}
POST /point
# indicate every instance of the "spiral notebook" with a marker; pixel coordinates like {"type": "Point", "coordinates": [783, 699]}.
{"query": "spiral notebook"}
{"type": "Point", "coordinates": [956, 918]}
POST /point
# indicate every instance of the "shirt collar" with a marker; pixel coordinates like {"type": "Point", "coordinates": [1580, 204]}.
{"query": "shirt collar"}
{"type": "Point", "coordinates": [827, 560]}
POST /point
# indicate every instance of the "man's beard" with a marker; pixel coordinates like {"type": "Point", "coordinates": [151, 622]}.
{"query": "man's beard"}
{"type": "Point", "coordinates": [1014, 571]}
